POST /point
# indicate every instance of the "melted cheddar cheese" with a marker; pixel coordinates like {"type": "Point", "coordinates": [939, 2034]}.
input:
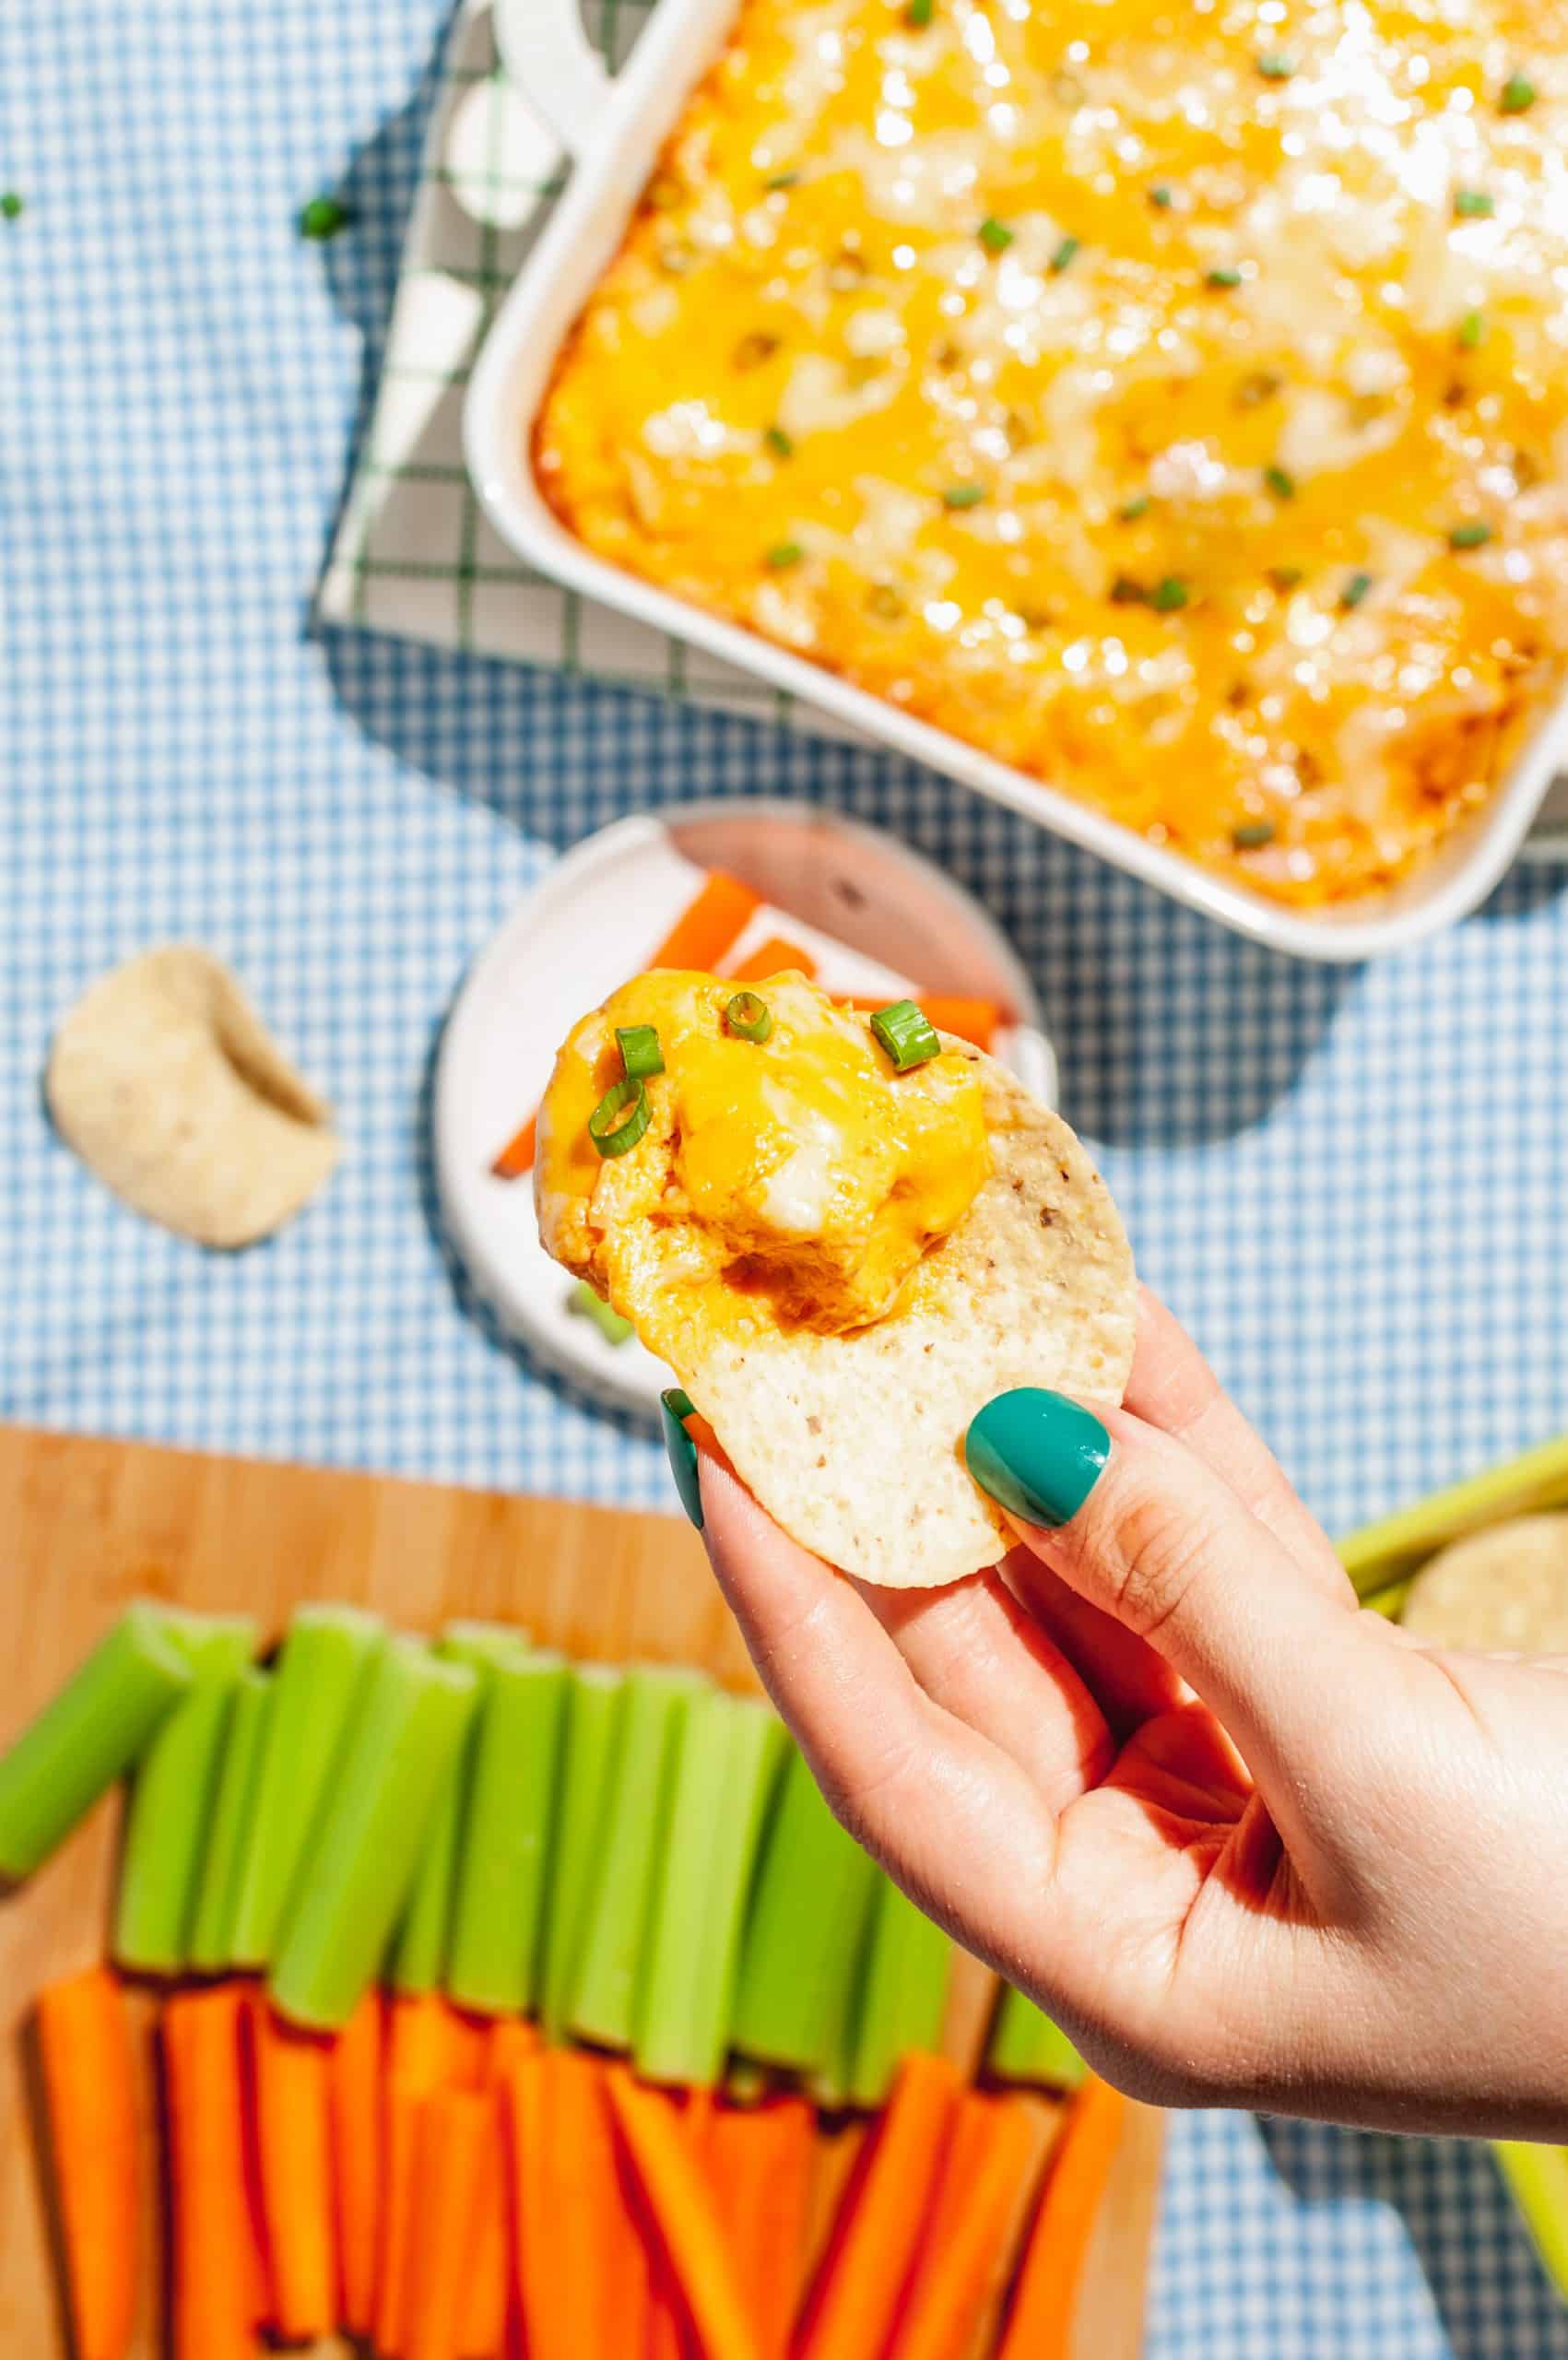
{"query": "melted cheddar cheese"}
{"type": "Point", "coordinates": [794, 1181]}
{"type": "Point", "coordinates": [1169, 400]}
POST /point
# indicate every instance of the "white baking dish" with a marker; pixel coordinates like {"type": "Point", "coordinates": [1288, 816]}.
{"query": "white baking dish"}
{"type": "Point", "coordinates": [614, 130]}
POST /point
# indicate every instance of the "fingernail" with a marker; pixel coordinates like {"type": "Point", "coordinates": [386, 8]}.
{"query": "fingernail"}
{"type": "Point", "coordinates": [1038, 1454]}
{"type": "Point", "coordinates": [675, 1407]}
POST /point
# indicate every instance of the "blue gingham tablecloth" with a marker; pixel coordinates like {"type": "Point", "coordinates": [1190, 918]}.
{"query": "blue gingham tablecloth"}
{"type": "Point", "coordinates": [1350, 1185]}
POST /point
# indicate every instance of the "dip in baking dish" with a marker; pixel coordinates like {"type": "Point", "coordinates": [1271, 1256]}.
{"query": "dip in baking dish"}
{"type": "Point", "coordinates": [1171, 401]}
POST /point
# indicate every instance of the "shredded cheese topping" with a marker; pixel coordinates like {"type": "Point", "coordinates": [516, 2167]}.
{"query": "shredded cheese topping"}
{"type": "Point", "coordinates": [1168, 399]}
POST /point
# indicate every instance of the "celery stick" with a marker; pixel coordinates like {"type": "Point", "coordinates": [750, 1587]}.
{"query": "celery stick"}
{"type": "Point", "coordinates": [618, 1913]}
{"type": "Point", "coordinates": [903, 1993]}
{"type": "Point", "coordinates": [320, 1671]}
{"type": "Point", "coordinates": [504, 1851]}
{"type": "Point", "coordinates": [174, 1797]}
{"type": "Point", "coordinates": [1025, 2046]}
{"type": "Point", "coordinates": [418, 1962]}
{"type": "Point", "coordinates": [830, 2083]}
{"type": "Point", "coordinates": [1538, 2181]}
{"type": "Point", "coordinates": [804, 1927]}
{"type": "Point", "coordinates": [730, 1755]}
{"type": "Point", "coordinates": [94, 1729]}
{"type": "Point", "coordinates": [212, 1929]}
{"type": "Point", "coordinates": [595, 1698]}
{"type": "Point", "coordinates": [405, 1732]}
{"type": "Point", "coordinates": [421, 1947]}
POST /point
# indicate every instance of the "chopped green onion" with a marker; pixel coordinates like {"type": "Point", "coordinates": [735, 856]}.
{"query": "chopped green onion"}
{"type": "Point", "coordinates": [903, 1993]}
{"type": "Point", "coordinates": [324, 1663]}
{"type": "Point", "coordinates": [778, 442]}
{"type": "Point", "coordinates": [621, 1116]}
{"type": "Point", "coordinates": [804, 1930]}
{"type": "Point", "coordinates": [1519, 94]}
{"type": "Point", "coordinates": [1286, 577]}
{"type": "Point", "coordinates": [640, 1052]}
{"type": "Point", "coordinates": [1253, 834]}
{"type": "Point", "coordinates": [1169, 596]}
{"type": "Point", "coordinates": [780, 180]}
{"type": "Point", "coordinates": [1472, 534]}
{"type": "Point", "coordinates": [588, 1303]}
{"type": "Point", "coordinates": [1126, 590]}
{"type": "Point", "coordinates": [1131, 510]}
{"type": "Point", "coordinates": [1358, 587]}
{"type": "Point", "coordinates": [1224, 275]}
{"type": "Point", "coordinates": [782, 556]}
{"type": "Point", "coordinates": [994, 235]}
{"type": "Point", "coordinates": [907, 1034]}
{"type": "Point", "coordinates": [595, 1698]}
{"type": "Point", "coordinates": [748, 1018]}
{"type": "Point", "coordinates": [91, 1732]}
{"type": "Point", "coordinates": [1473, 331]}
{"type": "Point", "coordinates": [1280, 482]}
{"type": "Point", "coordinates": [228, 1835]}
{"type": "Point", "coordinates": [732, 1748]}
{"type": "Point", "coordinates": [1275, 67]}
{"type": "Point", "coordinates": [405, 1731]}
{"type": "Point", "coordinates": [174, 1797]}
{"type": "Point", "coordinates": [1162, 196]}
{"type": "Point", "coordinates": [618, 1913]}
{"type": "Point", "coordinates": [963, 495]}
{"type": "Point", "coordinates": [918, 13]}
{"type": "Point", "coordinates": [11, 205]}
{"type": "Point", "coordinates": [1063, 257]}
{"type": "Point", "coordinates": [504, 1852]}
{"type": "Point", "coordinates": [1474, 204]}
{"type": "Point", "coordinates": [323, 216]}
{"type": "Point", "coordinates": [1025, 2046]}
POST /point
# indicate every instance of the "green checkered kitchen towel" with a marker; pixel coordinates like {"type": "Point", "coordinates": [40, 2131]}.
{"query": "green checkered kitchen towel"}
{"type": "Point", "coordinates": [415, 554]}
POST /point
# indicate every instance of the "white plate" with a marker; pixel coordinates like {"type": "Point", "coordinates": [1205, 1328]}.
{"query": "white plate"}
{"type": "Point", "coordinates": [876, 915]}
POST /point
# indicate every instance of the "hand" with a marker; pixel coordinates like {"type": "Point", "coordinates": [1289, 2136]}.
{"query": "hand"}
{"type": "Point", "coordinates": [1249, 1845]}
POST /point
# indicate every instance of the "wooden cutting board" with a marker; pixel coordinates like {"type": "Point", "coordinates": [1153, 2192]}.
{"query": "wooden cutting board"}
{"type": "Point", "coordinates": [89, 1525]}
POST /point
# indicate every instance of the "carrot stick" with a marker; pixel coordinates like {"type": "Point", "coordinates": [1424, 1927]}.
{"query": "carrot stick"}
{"type": "Point", "coordinates": [429, 2047]}
{"type": "Point", "coordinates": [760, 2160]}
{"type": "Point", "coordinates": [687, 2219]}
{"type": "Point", "coordinates": [700, 937]}
{"type": "Point", "coordinates": [216, 2263]}
{"type": "Point", "coordinates": [293, 2073]}
{"type": "Point", "coordinates": [84, 2041]}
{"type": "Point", "coordinates": [452, 2160]}
{"type": "Point", "coordinates": [517, 1156]}
{"type": "Point", "coordinates": [353, 2100]}
{"type": "Point", "coordinates": [507, 2039]}
{"type": "Point", "coordinates": [483, 2325]}
{"type": "Point", "coordinates": [1040, 2323]}
{"type": "Point", "coordinates": [709, 925]}
{"type": "Point", "coordinates": [978, 1021]}
{"type": "Point", "coordinates": [984, 2177]}
{"type": "Point", "coordinates": [773, 958]}
{"type": "Point", "coordinates": [855, 2301]}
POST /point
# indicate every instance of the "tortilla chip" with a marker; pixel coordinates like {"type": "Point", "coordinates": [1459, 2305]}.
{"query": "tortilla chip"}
{"type": "Point", "coordinates": [168, 1085]}
{"type": "Point", "coordinates": [1503, 1591]}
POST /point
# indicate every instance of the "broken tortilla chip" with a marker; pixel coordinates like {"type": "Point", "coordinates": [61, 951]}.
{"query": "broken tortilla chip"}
{"type": "Point", "coordinates": [1503, 1591]}
{"type": "Point", "coordinates": [169, 1086]}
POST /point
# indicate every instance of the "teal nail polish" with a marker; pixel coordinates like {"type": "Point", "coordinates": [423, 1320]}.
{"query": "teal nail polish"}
{"type": "Point", "coordinates": [674, 1408]}
{"type": "Point", "coordinates": [1038, 1454]}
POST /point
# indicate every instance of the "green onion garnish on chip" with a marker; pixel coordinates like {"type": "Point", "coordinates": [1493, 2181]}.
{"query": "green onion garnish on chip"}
{"type": "Point", "coordinates": [640, 1051]}
{"type": "Point", "coordinates": [907, 1034]}
{"type": "Point", "coordinates": [748, 1018]}
{"type": "Point", "coordinates": [621, 1116]}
